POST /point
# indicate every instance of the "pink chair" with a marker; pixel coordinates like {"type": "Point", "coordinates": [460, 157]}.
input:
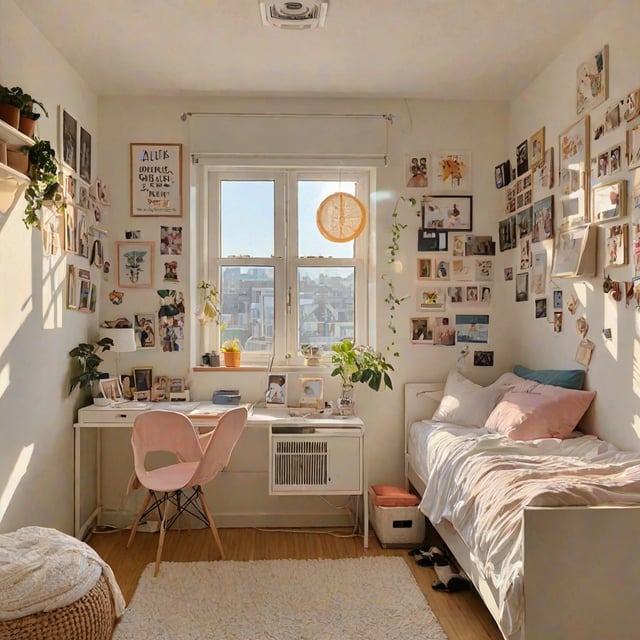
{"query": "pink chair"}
{"type": "Point", "coordinates": [199, 459]}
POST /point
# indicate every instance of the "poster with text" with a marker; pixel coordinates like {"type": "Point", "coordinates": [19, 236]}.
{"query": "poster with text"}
{"type": "Point", "coordinates": [156, 180]}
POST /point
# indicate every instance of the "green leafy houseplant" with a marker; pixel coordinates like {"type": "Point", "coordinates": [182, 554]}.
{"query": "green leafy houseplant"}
{"type": "Point", "coordinates": [12, 96]}
{"type": "Point", "coordinates": [88, 362]}
{"type": "Point", "coordinates": [44, 185]}
{"type": "Point", "coordinates": [360, 364]}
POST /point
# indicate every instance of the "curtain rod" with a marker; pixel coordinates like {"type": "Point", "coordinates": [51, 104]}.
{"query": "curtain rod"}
{"type": "Point", "coordinates": [385, 116]}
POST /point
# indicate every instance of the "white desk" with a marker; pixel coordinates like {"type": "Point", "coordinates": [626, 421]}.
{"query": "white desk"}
{"type": "Point", "coordinates": [278, 421]}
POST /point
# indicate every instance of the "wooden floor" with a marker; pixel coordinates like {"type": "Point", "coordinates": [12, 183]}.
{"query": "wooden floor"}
{"type": "Point", "coordinates": [462, 615]}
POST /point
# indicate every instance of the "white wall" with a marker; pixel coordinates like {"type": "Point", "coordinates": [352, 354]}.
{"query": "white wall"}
{"type": "Point", "coordinates": [419, 127]}
{"type": "Point", "coordinates": [614, 371]}
{"type": "Point", "coordinates": [36, 331]}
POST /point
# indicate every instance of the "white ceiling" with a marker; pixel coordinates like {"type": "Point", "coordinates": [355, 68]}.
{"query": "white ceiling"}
{"type": "Point", "coordinates": [434, 49]}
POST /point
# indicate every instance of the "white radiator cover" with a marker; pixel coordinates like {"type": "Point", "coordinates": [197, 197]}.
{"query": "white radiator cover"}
{"type": "Point", "coordinates": [315, 461]}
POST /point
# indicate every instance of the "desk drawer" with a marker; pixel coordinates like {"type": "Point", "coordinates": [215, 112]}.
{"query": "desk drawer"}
{"type": "Point", "coordinates": [108, 415]}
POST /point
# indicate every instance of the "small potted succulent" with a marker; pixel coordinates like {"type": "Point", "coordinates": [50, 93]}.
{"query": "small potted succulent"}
{"type": "Point", "coordinates": [231, 352]}
{"type": "Point", "coordinates": [311, 353]}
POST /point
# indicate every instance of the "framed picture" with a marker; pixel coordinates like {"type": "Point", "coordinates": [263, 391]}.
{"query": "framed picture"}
{"type": "Point", "coordinates": [609, 201]}
{"type": "Point", "coordinates": [502, 174]}
{"type": "Point", "coordinates": [429, 240]}
{"type": "Point", "coordinates": [311, 393]}
{"type": "Point", "coordinates": [507, 234]}
{"type": "Point", "coordinates": [175, 384]}
{"type": "Point", "coordinates": [68, 138]}
{"type": "Point", "coordinates": [522, 286]}
{"type": "Point", "coordinates": [616, 245]}
{"type": "Point", "coordinates": [522, 157]}
{"type": "Point", "coordinates": [419, 171]}
{"type": "Point", "coordinates": [448, 212]}
{"type": "Point", "coordinates": [574, 253]}
{"type": "Point", "coordinates": [277, 390]}
{"type": "Point", "coordinates": [85, 156]}
{"type": "Point", "coordinates": [72, 280]}
{"type": "Point", "coordinates": [135, 263]}
{"type": "Point", "coordinates": [421, 330]}
{"type": "Point", "coordinates": [536, 148]}
{"type": "Point", "coordinates": [156, 180]}
{"type": "Point", "coordinates": [483, 358]}
{"type": "Point", "coordinates": [543, 219]}
{"type": "Point", "coordinates": [425, 269]}
{"type": "Point", "coordinates": [111, 389]}
{"type": "Point", "coordinates": [633, 147]}
{"type": "Point", "coordinates": [430, 298]}
{"type": "Point", "coordinates": [452, 171]}
{"type": "Point", "coordinates": [632, 105]}
{"type": "Point", "coordinates": [142, 378]}
{"type": "Point", "coordinates": [592, 81]}
{"type": "Point", "coordinates": [574, 152]}
{"type": "Point", "coordinates": [146, 330]}
{"type": "Point", "coordinates": [70, 234]}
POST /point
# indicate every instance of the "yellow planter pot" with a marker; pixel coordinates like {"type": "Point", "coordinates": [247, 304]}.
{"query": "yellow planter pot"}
{"type": "Point", "coordinates": [231, 358]}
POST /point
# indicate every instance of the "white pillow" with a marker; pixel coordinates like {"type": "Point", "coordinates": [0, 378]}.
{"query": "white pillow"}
{"type": "Point", "coordinates": [466, 403]}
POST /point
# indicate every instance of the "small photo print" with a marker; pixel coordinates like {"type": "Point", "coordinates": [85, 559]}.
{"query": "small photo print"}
{"type": "Point", "coordinates": [483, 358]}
{"type": "Point", "coordinates": [276, 389]}
{"type": "Point", "coordinates": [557, 321]}
{"type": "Point", "coordinates": [472, 328]}
{"type": "Point", "coordinates": [443, 332]}
{"type": "Point", "coordinates": [419, 168]}
{"type": "Point", "coordinates": [508, 273]}
{"type": "Point", "coordinates": [425, 269]}
{"type": "Point", "coordinates": [431, 298]}
{"type": "Point", "coordinates": [421, 330]}
{"type": "Point", "coordinates": [522, 287]}
{"type": "Point", "coordinates": [557, 299]}
{"type": "Point", "coordinates": [541, 307]}
{"type": "Point", "coordinates": [170, 241]}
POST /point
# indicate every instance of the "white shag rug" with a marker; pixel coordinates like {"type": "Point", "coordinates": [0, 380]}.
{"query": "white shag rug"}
{"type": "Point", "coordinates": [350, 599]}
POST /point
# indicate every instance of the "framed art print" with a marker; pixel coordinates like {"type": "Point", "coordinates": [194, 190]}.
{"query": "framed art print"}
{"type": "Point", "coordinates": [68, 138]}
{"type": "Point", "coordinates": [448, 213]}
{"type": "Point", "coordinates": [609, 201]}
{"type": "Point", "coordinates": [452, 171]}
{"type": "Point", "coordinates": [421, 330]}
{"type": "Point", "coordinates": [85, 156]}
{"type": "Point", "coordinates": [311, 393]}
{"type": "Point", "coordinates": [574, 155]}
{"type": "Point", "coordinates": [276, 394]}
{"type": "Point", "coordinates": [135, 263]}
{"type": "Point", "coordinates": [633, 147]}
{"type": "Point", "coordinates": [430, 298]}
{"type": "Point", "coordinates": [592, 81]}
{"type": "Point", "coordinates": [156, 180]}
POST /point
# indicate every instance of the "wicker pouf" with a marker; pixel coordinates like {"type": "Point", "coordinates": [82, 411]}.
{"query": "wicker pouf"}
{"type": "Point", "coordinates": [90, 618]}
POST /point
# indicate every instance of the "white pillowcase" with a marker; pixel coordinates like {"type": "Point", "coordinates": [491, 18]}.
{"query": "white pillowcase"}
{"type": "Point", "coordinates": [466, 403]}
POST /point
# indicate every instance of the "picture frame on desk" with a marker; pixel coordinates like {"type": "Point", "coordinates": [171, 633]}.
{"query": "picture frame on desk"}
{"type": "Point", "coordinates": [311, 393]}
{"type": "Point", "coordinates": [276, 395]}
{"type": "Point", "coordinates": [142, 379]}
{"type": "Point", "coordinates": [111, 389]}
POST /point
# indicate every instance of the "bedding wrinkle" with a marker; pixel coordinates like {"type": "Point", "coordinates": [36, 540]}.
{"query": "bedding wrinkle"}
{"type": "Point", "coordinates": [481, 482]}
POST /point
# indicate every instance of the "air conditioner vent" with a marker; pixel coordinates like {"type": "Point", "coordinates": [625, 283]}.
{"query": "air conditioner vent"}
{"type": "Point", "coordinates": [306, 14]}
{"type": "Point", "coordinates": [300, 463]}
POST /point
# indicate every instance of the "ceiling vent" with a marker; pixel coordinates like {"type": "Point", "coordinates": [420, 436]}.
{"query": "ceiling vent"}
{"type": "Point", "coordinates": [307, 14]}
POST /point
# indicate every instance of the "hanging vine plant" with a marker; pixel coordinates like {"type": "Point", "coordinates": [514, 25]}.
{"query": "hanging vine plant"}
{"type": "Point", "coordinates": [392, 300]}
{"type": "Point", "coordinates": [44, 187]}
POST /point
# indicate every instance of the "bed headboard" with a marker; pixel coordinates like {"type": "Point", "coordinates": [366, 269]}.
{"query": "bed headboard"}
{"type": "Point", "coordinates": [421, 399]}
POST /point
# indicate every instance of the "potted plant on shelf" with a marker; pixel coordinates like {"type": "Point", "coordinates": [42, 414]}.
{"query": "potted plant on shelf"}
{"type": "Point", "coordinates": [88, 362]}
{"type": "Point", "coordinates": [44, 187]}
{"type": "Point", "coordinates": [231, 352]}
{"type": "Point", "coordinates": [10, 103]}
{"type": "Point", "coordinates": [358, 364]}
{"type": "Point", "coordinates": [28, 115]}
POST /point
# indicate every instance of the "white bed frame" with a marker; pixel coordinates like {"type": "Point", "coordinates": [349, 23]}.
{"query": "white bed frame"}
{"type": "Point", "coordinates": [581, 564]}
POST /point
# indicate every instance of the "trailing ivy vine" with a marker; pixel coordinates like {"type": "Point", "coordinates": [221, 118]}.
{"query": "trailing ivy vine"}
{"type": "Point", "coordinates": [392, 300]}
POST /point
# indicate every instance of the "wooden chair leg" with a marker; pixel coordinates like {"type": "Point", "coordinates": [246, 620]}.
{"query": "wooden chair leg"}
{"type": "Point", "coordinates": [212, 524]}
{"type": "Point", "coordinates": [163, 530]}
{"type": "Point", "coordinates": [136, 522]}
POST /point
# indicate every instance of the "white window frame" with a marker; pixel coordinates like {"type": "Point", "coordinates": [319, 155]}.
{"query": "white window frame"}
{"type": "Point", "coordinates": [285, 260]}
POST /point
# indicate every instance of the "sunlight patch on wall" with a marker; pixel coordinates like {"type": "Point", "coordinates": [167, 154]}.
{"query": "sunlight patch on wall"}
{"type": "Point", "coordinates": [610, 321]}
{"type": "Point", "coordinates": [19, 469]}
{"type": "Point", "coordinates": [5, 379]}
{"type": "Point", "coordinates": [53, 291]}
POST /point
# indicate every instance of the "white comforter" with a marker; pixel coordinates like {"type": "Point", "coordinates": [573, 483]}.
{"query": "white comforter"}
{"type": "Point", "coordinates": [481, 482]}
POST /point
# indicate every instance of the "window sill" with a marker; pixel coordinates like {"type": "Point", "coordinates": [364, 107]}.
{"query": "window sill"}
{"type": "Point", "coordinates": [229, 369]}
{"type": "Point", "coordinates": [257, 367]}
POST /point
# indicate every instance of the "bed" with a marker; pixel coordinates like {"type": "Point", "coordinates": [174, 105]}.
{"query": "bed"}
{"type": "Point", "coordinates": [547, 529]}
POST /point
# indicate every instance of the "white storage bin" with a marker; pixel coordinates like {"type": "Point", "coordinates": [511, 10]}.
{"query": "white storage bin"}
{"type": "Point", "coordinates": [397, 526]}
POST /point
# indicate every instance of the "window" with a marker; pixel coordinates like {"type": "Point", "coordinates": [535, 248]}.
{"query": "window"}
{"type": "Point", "coordinates": [281, 283]}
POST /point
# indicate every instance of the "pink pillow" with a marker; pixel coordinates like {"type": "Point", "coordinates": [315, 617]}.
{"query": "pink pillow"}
{"type": "Point", "coordinates": [547, 412]}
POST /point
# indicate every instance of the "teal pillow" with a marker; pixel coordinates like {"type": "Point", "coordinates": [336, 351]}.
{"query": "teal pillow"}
{"type": "Point", "coordinates": [567, 378]}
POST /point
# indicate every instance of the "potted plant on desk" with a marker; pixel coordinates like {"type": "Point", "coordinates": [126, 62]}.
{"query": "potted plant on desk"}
{"type": "Point", "coordinates": [358, 364]}
{"type": "Point", "coordinates": [89, 363]}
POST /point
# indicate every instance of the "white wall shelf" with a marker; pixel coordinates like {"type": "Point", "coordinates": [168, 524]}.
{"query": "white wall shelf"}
{"type": "Point", "coordinates": [7, 173]}
{"type": "Point", "coordinates": [14, 138]}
